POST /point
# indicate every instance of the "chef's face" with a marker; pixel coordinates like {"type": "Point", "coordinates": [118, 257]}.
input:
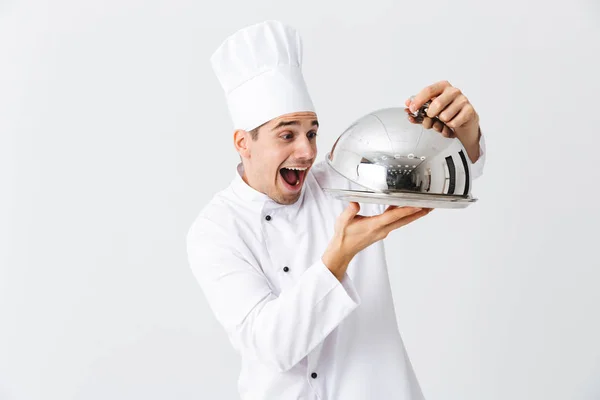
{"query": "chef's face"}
{"type": "Point", "coordinates": [277, 160]}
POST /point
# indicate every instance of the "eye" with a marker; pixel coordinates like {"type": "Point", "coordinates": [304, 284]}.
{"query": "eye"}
{"type": "Point", "coordinates": [287, 136]}
{"type": "Point", "coordinates": [312, 134]}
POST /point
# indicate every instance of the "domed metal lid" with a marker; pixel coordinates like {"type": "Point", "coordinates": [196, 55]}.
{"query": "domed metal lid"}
{"type": "Point", "coordinates": [397, 160]}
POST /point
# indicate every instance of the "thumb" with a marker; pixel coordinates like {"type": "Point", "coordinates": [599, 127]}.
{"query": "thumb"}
{"type": "Point", "coordinates": [350, 212]}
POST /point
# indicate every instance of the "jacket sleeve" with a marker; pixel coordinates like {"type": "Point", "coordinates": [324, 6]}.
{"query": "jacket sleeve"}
{"type": "Point", "coordinates": [277, 330]}
{"type": "Point", "coordinates": [477, 166]}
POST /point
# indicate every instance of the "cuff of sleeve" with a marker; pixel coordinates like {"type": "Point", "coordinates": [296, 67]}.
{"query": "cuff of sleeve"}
{"type": "Point", "coordinates": [338, 303]}
{"type": "Point", "coordinates": [477, 167]}
{"type": "Point", "coordinates": [350, 289]}
{"type": "Point", "coordinates": [345, 288]}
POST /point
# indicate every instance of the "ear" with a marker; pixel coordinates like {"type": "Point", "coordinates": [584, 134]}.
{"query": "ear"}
{"type": "Point", "coordinates": [241, 141]}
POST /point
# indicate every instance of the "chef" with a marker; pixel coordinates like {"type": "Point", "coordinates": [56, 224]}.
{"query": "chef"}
{"type": "Point", "coordinates": [297, 279]}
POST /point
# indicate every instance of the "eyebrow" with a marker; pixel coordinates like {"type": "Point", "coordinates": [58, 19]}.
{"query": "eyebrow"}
{"type": "Point", "coordinates": [294, 122]}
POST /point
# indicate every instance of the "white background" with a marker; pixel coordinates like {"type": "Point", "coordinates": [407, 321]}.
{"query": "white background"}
{"type": "Point", "coordinates": [115, 133]}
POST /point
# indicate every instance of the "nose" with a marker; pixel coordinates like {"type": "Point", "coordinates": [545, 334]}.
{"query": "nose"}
{"type": "Point", "coordinates": [306, 149]}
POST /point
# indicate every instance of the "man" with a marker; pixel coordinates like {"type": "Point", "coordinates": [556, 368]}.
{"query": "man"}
{"type": "Point", "coordinates": [299, 280]}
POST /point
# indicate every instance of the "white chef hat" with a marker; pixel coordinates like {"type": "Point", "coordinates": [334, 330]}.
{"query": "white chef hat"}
{"type": "Point", "coordinates": [260, 70]}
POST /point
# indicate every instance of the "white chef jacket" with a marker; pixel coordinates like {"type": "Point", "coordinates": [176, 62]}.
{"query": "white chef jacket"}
{"type": "Point", "coordinates": [301, 333]}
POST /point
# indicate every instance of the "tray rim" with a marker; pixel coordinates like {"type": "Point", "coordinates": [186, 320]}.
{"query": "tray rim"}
{"type": "Point", "coordinates": [403, 195]}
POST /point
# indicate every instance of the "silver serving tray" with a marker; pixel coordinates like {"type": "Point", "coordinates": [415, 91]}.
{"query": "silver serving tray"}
{"type": "Point", "coordinates": [402, 199]}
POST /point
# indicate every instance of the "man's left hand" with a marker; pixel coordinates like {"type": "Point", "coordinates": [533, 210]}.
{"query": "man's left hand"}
{"type": "Point", "coordinates": [449, 113]}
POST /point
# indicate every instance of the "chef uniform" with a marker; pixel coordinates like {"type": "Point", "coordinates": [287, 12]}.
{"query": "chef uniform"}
{"type": "Point", "coordinates": [300, 332]}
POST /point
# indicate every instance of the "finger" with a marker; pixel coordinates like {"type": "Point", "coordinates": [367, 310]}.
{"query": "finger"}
{"type": "Point", "coordinates": [427, 123]}
{"type": "Point", "coordinates": [447, 132]}
{"type": "Point", "coordinates": [410, 117]}
{"type": "Point", "coordinates": [453, 108]}
{"type": "Point", "coordinates": [441, 102]}
{"type": "Point", "coordinates": [394, 214]}
{"type": "Point", "coordinates": [438, 126]}
{"type": "Point", "coordinates": [427, 94]}
{"type": "Point", "coordinates": [349, 213]}
{"type": "Point", "coordinates": [466, 114]}
{"type": "Point", "coordinates": [405, 221]}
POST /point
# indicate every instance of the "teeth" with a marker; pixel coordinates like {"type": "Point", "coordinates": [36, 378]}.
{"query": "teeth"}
{"type": "Point", "coordinates": [297, 169]}
{"type": "Point", "coordinates": [297, 182]}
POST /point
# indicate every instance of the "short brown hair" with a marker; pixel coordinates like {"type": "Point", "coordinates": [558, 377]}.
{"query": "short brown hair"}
{"type": "Point", "coordinates": [254, 132]}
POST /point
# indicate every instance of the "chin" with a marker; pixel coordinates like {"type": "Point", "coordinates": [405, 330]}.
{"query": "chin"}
{"type": "Point", "coordinates": [286, 199]}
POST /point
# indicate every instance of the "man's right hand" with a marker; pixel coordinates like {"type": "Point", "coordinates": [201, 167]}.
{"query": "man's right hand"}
{"type": "Point", "coordinates": [354, 233]}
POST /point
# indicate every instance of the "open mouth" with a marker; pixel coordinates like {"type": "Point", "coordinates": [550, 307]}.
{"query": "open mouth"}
{"type": "Point", "coordinates": [293, 177]}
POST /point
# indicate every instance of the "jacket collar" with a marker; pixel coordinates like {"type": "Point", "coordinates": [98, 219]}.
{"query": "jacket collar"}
{"type": "Point", "coordinates": [259, 201]}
